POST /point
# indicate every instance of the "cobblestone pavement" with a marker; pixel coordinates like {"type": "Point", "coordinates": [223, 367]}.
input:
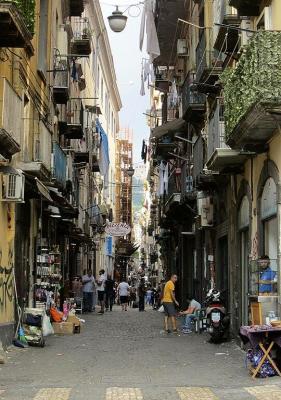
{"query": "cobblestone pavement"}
{"type": "Point", "coordinates": [125, 356]}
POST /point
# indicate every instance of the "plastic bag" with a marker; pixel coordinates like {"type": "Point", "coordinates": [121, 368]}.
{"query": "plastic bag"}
{"type": "Point", "coordinates": [47, 326]}
{"type": "Point", "coordinates": [56, 315]}
{"type": "Point", "coordinates": [161, 309]}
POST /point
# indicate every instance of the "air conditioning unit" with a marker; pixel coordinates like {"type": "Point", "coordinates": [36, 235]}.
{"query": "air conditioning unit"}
{"type": "Point", "coordinates": [12, 188]}
{"type": "Point", "coordinates": [245, 36]}
{"type": "Point", "coordinates": [182, 48]}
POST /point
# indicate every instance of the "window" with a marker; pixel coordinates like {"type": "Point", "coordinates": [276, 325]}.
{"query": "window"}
{"type": "Point", "coordinates": [43, 34]}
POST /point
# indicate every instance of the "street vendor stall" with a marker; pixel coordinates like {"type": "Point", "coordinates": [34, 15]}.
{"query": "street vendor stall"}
{"type": "Point", "coordinates": [262, 338]}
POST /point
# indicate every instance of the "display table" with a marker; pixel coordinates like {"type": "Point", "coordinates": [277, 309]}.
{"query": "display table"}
{"type": "Point", "coordinates": [264, 337]}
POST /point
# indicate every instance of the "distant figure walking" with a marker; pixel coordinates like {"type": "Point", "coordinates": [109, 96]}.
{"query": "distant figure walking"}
{"type": "Point", "coordinates": [88, 282]}
{"type": "Point", "coordinates": [101, 290]}
{"type": "Point", "coordinates": [123, 292]}
{"type": "Point", "coordinates": [141, 293]}
{"type": "Point", "coordinates": [169, 301]}
{"type": "Point", "coordinates": [148, 296]}
{"type": "Point", "coordinates": [109, 293]}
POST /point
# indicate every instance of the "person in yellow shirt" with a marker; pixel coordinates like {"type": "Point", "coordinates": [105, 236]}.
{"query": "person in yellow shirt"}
{"type": "Point", "coordinates": [169, 301]}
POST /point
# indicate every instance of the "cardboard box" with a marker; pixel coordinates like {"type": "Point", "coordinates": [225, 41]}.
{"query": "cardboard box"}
{"type": "Point", "coordinates": [73, 319]}
{"type": "Point", "coordinates": [63, 328]}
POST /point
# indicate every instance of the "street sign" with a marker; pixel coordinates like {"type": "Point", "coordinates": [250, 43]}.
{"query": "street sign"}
{"type": "Point", "coordinates": [117, 229]}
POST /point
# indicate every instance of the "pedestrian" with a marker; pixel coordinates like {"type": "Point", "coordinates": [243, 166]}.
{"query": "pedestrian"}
{"type": "Point", "coordinates": [141, 293]}
{"type": "Point", "coordinates": [169, 301]}
{"type": "Point", "coordinates": [148, 296]}
{"type": "Point", "coordinates": [189, 314]}
{"type": "Point", "coordinates": [133, 296]}
{"type": "Point", "coordinates": [123, 293]}
{"type": "Point", "coordinates": [101, 290]}
{"type": "Point", "coordinates": [109, 293]}
{"type": "Point", "coordinates": [88, 282]}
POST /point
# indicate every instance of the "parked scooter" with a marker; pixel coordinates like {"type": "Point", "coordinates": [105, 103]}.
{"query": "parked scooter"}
{"type": "Point", "coordinates": [218, 319]}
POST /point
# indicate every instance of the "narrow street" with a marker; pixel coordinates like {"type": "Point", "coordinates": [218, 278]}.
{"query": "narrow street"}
{"type": "Point", "coordinates": [125, 356]}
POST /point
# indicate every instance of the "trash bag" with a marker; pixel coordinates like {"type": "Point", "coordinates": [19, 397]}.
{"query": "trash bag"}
{"type": "Point", "coordinates": [47, 326]}
{"type": "Point", "coordinates": [33, 320]}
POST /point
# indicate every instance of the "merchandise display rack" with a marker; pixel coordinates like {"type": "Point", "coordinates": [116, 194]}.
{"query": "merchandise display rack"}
{"type": "Point", "coordinates": [48, 276]}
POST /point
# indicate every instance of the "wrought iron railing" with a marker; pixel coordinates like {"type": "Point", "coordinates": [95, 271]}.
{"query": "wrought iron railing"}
{"type": "Point", "coordinates": [75, 112]}
{"type": "Point", "coordinates": [216, 129]}
{"type": "Point", "coordinates": [206, 57]}
{"type": "Point", "coordinates": [61, 74]}
{"type": "Point", "coordinates": [59, 162]}
{"type": "Point", "coordinates": [81, 28]}
{"type": "Point", "coordinates": [27, 10]}
{"type": "Point", "coordinates": [189, 96]}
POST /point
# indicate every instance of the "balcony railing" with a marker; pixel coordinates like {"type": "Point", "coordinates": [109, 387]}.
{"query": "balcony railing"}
{"type": "Point", "coordinates": [226, 15]}
{"type": "Point", "coordinates": [74, 119]}
{"type": "Point", "coordinates": [208, 62]}
{"type": "Point", "coordinates": [61, 82]}
{"type": "Point", "coordinates": [81, 42]}
{"type": "Point", "coordinates": [59, 162]}
{"type": "Point", "coordinates": [253, 92]}
{"type": "Point", "coordinates": [216, 130]}
{"type": "Point", "coordinates": [17, 19]}
{"type": "Point", "coordinates": [192, 101]}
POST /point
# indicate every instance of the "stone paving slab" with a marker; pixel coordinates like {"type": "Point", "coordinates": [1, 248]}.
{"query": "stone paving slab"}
{"type": "Point", "coordinates": [129, 350]}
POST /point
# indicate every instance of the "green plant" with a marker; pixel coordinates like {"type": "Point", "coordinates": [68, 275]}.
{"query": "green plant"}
{"type": "Point", "coordinates": [27, 9]}
{"type": "Point", "coordinates": [257, 77]}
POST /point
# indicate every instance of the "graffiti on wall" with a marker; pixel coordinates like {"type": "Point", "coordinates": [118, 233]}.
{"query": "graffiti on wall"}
{"type": "Point", "coordinates": [6, 281]}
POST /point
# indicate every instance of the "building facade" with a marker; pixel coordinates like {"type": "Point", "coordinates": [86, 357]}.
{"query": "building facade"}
{"type": "Point", "coordinates": [214, 167]}
{"type": "Point", "coordinates": [59, 105]}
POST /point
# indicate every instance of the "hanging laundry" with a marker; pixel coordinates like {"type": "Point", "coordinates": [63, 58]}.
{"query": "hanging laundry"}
{"type": "Point", "coordinates": [104, 152]}
{"type": "Point", "coordinates": [74, 74]}
{"type": "Point", "coordinates": [173, 96]}
{"type": "Point", "coordinates": [148, 26]}
{"type": "Point", "coordinates": [142, 89]}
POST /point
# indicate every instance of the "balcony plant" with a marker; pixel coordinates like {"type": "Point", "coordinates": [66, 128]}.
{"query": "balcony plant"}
{"type": "Point", "coordinates": [256, 78]}
{"type": "Point", "coordinates": [27, 9]}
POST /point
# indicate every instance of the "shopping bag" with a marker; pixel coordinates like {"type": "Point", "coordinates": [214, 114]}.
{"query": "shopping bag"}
{"type": "Point", "coordinates": [161, 309]}
{"type": "Point", "coordinates": [47, 326]}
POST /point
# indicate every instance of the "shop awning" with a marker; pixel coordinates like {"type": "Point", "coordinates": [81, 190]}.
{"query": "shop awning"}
{"type": "Point", "coordinates": [66, 209]}
{"type": "Point", "coordinates": [177, 125]}
{"type": "Point", "coordinates": [43, 190]}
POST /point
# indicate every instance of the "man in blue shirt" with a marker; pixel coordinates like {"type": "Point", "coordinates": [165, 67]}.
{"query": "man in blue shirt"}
{"type": "Point", "coordinates": [267, 277]}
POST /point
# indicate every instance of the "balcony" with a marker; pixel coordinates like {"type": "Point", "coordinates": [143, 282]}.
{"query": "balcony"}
{"type": "Point", "coordinates": [10, 120]}
{"type": "Point", "coordinates": [208, 62]}
{"type": "Point", "coordinates": [252, 93]}
{"type": "Point", "coordinates": [247, 7]}
{"type": "Point", "coordinates": [166, 20]}
{"type": "Point", "coordinates": [41, 165]}
{"type": "Point", "coordinates": [227, 15]}
{"type": "Point", "coordinates": [81, 42]}
{"type": "Point", "coordinates": [61, 82]}
{"type": "Point", "coordinates": [81, 151]}
{"type": "Point", "coordinates": [193, 103]}
{"type": "Point", "coordinates": [17, 24]}
{"type": "Point", "coordinates": [59, 162]}
{"type": "Point", "coordinates": [76, 7]}
{"type": "Point", "coordinates": [220, 157]}
{"type": "Point", "coordinates": [73, 129]}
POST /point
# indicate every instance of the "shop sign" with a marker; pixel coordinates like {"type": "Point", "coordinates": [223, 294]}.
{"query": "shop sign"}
{"type": "Point", "coordinates": [108, 246]}
{"type": "Point", "coordinates": [117, 229]}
